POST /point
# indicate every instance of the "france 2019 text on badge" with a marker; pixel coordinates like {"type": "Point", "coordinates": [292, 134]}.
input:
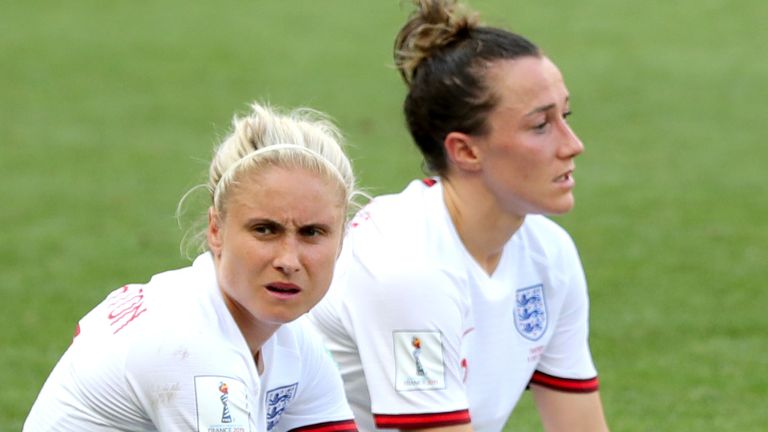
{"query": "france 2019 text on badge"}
{"type": "Point", "coordinates": [277, 401]}
{"type": "Point", "coordinates": [222, 404]}
{"type": "Point", "coordinates": [531, 312]}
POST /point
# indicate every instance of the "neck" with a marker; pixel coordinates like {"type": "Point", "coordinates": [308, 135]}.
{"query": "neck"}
{"type": "Point", "coordinates": [482, 226]}
{"type": "Point", "coordinates": [255, 332]}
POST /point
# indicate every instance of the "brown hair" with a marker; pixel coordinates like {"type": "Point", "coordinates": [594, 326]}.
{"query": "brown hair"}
{"type": "Point", "coordinates": [442, 53]}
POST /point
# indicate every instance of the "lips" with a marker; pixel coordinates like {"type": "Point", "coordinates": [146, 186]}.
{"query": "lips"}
{"type": "Point", "coordinates": [283, 288]}
{"type": "Point", "coordinates": [566, 176]}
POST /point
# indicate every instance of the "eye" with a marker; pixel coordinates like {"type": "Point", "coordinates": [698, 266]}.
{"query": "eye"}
{"type": "Point", "coordinates": [541, 127]}
{"type": "Point", "coordinates": [567, 114]}
{"type": "Point", "coordinates": [312, 231]}
{"type": "Point", "coordinates": [264, 229]}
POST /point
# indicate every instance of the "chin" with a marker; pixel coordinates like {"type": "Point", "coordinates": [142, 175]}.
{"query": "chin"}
{"type": "Point", "coordinates": [560, 208]}
{"type": "Point", "coordinates": [561, 211]}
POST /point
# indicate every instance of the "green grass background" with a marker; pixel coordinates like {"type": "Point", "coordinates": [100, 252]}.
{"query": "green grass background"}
{"type": "Point", "coordinates": [109, 110]}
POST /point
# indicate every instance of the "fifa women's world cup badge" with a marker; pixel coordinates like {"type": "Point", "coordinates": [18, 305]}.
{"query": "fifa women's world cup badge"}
{"type": "Point", "coordinates": [222, 404]}
{"type": "Point", "coordinates": [225, 416]}
{"type": "Point", "coordinates": [418, 360]}
{"type": "Point", "coordinates": [416, 342]}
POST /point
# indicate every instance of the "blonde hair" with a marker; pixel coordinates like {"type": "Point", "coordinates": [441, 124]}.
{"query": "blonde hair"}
{"type": "Point", "coordinates": [302, 138]}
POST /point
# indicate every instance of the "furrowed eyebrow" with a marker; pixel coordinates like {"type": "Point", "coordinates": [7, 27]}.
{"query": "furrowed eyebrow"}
{"type": "Point", "coordinates": [261, 221]}
{"type": "Point", "coordinates": [271, 224]}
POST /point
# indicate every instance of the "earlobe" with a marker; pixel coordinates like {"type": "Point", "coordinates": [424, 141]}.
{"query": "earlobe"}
{"type": "Point", "coordinates": [462, 151]}
{"type": "Point", "coordinates": [214, 232]}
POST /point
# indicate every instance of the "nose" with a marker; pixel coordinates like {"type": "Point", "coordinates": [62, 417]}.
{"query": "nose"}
{"type": "Point", "coordinates": [571, 145]}
{"type": "Point", "coordinates": [286, 258]}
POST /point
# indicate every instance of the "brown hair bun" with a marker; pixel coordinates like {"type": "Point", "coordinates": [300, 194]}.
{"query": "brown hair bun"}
{"type": "Point", "coordinates": [433, 25]}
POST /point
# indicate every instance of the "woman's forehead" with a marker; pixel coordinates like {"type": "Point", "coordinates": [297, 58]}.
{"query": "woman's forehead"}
{"type": "Point", "coordinates": [525, 84]}
{"type": "Point", "coordinates": [287, 187]}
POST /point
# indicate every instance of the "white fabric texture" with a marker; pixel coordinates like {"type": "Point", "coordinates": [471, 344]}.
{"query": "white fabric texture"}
{"type": "Point", "coordinates": [168, 356]}
{"type": "Point", "coordinates": [404, 274]}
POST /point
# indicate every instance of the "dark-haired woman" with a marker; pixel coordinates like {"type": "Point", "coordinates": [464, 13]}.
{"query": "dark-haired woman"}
{"type": "Point", "coordinates": [455, 295]}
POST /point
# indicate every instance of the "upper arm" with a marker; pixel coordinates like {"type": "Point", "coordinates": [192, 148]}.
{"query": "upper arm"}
{"type": "Point", "coordinates": [569, 412]}
{"type": "Point", "coordinates": [455, 428]}
{"type": "Point", "coordinates": [408, 328]}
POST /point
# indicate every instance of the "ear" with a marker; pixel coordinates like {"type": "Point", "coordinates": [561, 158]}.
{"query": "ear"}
{"type": "Point", "coordinates": [462, 151]}
{"type": "Point", "coordinates": [214, 233]}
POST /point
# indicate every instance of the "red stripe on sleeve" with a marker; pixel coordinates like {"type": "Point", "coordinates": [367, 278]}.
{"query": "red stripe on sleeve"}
{"type": "Point", "coordinates": [420, 421]}
{"type": "Point", "coordinates": [570, 385]}
{"type": "Point", "coordinates": [339, 426]}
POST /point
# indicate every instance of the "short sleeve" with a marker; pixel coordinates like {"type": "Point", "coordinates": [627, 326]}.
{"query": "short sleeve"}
{"type": "Point", "coordinates": [408, 326]}
{"type": "Point", "coordinates": [566, 363]}
{"type": "Point", "coordinates": [320, 404]}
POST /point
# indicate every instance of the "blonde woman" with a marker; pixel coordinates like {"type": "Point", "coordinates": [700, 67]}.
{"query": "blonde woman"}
{"type": "Point", "coordinates": [218, 345]}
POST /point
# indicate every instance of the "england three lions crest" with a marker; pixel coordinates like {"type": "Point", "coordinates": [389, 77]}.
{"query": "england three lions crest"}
{"type": "Point", "coordinates": [531, 312]}
{"type": "Point", "coordinates": [277, 401]}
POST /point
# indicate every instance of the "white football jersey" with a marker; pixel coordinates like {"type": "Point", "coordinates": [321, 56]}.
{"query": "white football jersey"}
{"type": "Point", "coordinates": [424, 337]}
{"type": "Point", "coordinates": [168, 356]}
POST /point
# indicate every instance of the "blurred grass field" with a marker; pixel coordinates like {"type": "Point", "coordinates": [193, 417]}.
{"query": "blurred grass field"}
{"type": "Point", "coordinates": [108, 111]}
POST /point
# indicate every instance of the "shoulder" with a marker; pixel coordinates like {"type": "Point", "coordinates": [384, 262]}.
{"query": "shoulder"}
{"type": "Point", "coordinates": [387, 215]}
{"type": "Point", "coordinates": [184, 298]}
{"type": "Point", "coordinates": [182, 320]}
{"type": "Point", "coordinates": [174, 301]}
{"type": "Point", "coordinates": [127, 315]}
{"type": "Point", "coordinates": [408, 233]}
{"type": "Point", "coordinates": [401, 279]}
{"type": "Point", "coordinates": [407, 293]}
{"type": "Point", "coordinates": [401, 254]}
